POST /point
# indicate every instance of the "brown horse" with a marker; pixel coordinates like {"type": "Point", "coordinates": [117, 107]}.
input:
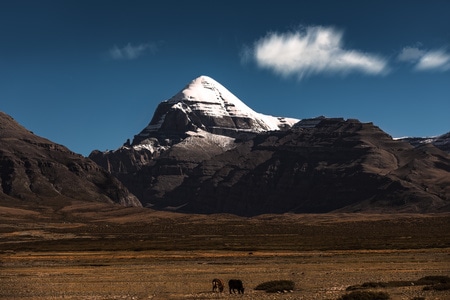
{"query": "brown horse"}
{"type": "Point", "coordinates": [217, 285]}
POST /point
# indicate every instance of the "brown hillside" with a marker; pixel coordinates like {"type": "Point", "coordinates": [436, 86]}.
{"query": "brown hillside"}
{"type": "Point", "coordinates": [35, 172]}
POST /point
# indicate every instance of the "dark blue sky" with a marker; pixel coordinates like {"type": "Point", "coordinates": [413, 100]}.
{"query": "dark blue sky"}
{"type": "Point", "coordinates": [89, 74]}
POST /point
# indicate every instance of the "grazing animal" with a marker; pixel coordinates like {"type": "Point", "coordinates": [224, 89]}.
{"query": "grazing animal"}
{"type": "Point", "coordinates": [236, 284]}
{"type": "Point", "coordinates": [217, 285]}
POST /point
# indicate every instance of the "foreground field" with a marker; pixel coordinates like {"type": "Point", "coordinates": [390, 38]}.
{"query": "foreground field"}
{"type": "Point", "coordinates": [188, 274]}
{"type": "Point", "coordinates": [142, 254]}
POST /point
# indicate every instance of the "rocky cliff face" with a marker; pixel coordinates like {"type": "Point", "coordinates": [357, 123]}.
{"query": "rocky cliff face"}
{"type": "Point", "coordinates": [206, 152]}
{"type": "Point", "coordinates": [34, 170]}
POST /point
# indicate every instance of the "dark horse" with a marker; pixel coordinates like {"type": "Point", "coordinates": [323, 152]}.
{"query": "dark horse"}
{"type": "Point", "coordinates": [236, 284]}
{"type": "Point", "coordinates": [217, 285]}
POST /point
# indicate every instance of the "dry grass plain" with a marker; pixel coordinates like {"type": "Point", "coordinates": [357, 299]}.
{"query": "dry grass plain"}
{"type": "Point", "coordinates": [142, 254]}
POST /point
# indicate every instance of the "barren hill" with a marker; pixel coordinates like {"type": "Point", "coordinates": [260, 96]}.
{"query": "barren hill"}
{"type": "Point", "coordinates": [37, 173]}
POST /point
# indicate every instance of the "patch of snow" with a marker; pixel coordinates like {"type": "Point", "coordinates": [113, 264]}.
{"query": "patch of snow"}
{"type": "Point", "coordinates": [200, 137]}
{"type": "Point", "coordinates": [145, 146]}
{"type": "Point", "coordinates": [150, 146]}
{"type": "Point", "coordinates": [428, 139]}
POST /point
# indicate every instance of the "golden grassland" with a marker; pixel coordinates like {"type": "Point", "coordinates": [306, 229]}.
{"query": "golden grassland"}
{"type": "Point", "coordinates": [136, 254]}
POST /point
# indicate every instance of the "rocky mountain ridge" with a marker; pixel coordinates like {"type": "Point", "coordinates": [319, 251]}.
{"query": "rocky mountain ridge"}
{"type": "Point", "coordinates": [205, 153]}
{"type": "Point", "coordinates": [216, 155]}
{"type": "Point", "coordinates": [442, 142]}
{"type": "Point", "coordinates": [39, 173]}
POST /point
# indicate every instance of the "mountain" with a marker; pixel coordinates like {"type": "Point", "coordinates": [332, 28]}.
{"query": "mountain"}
{"type": "Point", "coordinates": [35, 172]}
{"type": "Point", "coordinates": [205, 151]}
{"type": "Point", "coordinates": [442, 142]}
{"type": "Point", "coordinates": [206, 105]}
{"type": "Point", "coordinates": [338, 165]}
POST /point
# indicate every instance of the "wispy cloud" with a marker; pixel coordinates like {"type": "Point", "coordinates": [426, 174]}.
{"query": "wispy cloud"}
{"type": "Point", "coordinates": [426, 60]}
{"type": "Point", "coordinates": [130, 52]}
{"type": "Point", "coordinates": [410, 54]}
{"type": "Point", "coordinates": [434, 60]}
{"type": "Point", "coordinates": [313, 50]}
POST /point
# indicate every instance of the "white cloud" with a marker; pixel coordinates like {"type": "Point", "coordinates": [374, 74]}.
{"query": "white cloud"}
{"type": "Point", "coordinates": [312, 51]}
{"type": "Point", "coordinates": [129, 52]}
{"type": "Point", "coordinates": [434, 60]}
{"type": "Point", "coordinates": [425, 60]}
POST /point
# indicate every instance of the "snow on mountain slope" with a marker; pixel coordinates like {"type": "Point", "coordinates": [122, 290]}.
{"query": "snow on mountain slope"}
{"type": "Point", "coordinates": [442, 142]}
{"type": "Point", "coordinates": [208, 105]}
{"type": "Point", "coordinates": [213, 99]}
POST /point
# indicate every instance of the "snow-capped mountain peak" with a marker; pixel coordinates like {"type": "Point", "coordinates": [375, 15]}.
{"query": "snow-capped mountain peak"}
{"type": "Point", "coordinates": [206, 104]}
{"type": "Point", "coordinates": [212, 98]}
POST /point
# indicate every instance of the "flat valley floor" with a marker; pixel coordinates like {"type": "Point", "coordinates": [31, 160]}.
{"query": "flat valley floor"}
{"type": "Point", "coordinates": [174, 256]}
{"type": "Point", "coordinates": [188, 275]}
